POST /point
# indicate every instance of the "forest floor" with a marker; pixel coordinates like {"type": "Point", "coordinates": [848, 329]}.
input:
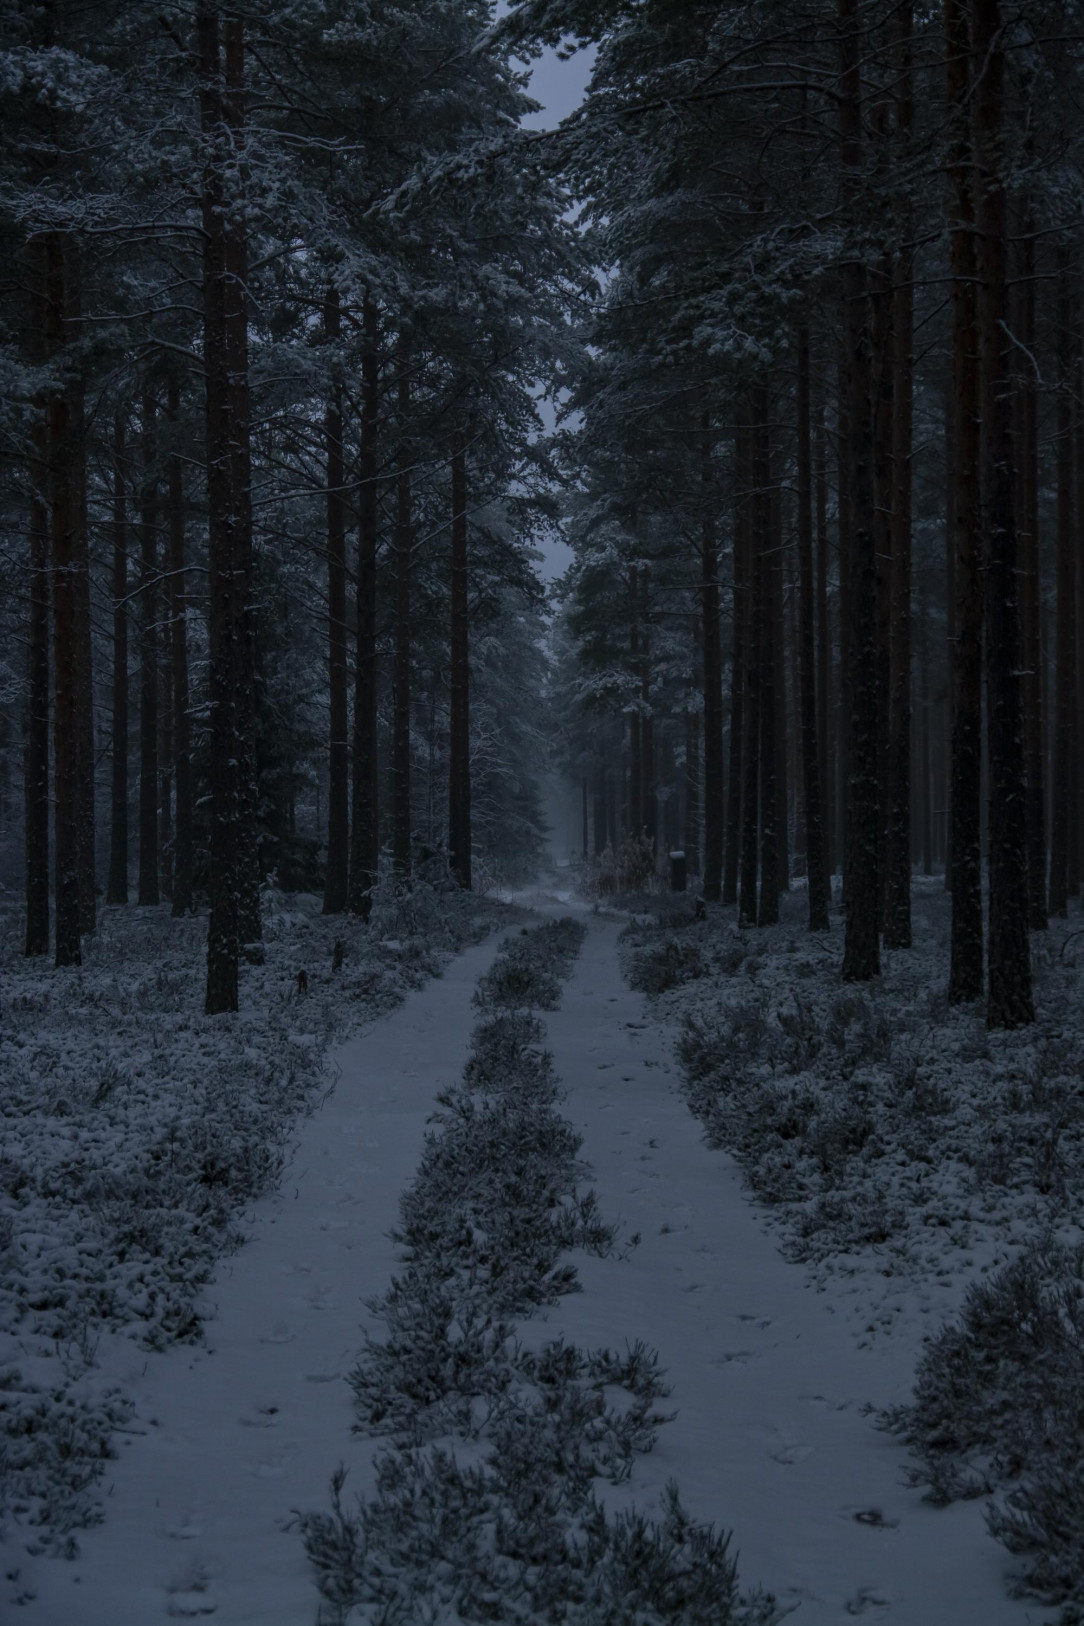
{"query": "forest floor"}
{"type": "Point", "coordinates": [776, 1367]}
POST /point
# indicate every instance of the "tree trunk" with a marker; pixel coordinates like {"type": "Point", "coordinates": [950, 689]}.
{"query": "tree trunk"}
{"type": "Point", "coordinates": [249, 927]}
{"type": "Point", "coordinates": [861, 955]}
{"type": "Point", "coordinates": [824, 653]}
{"type": "Point", "coordinates": [1010, 1001]}
{"type": "Point", "coordinates": [690, 839]}
{"type": "Point", "coordinates": [404, 542]}
{"type": "Point", "coordinates": [740, 624]}
{"type": "Point", "coordinates": [37, 695]}
{"type": "Point", "coordinates": [713, 677]}
{"type": "Point", "coordinates": [148, 661]}
{"type": "Point", "coordinates": [64, 500]}
{"type": "Point", "coordinates": [459, 808]}
{"type": "Point", "coordinates": [897, 893]}
{"type": "Point", "coordinates": [811, 773]}
{"type": "Point", "coordinates": [1065, 647]}
{"type": "Point", "coordinates": [1030, 581]}
{"type": "Point", "coordinates": [226, 581]}
{"type": "Point", "coordinates": [751, 699]}
{"type": "Point", "coordinates": [338, 772]}
{"type": "Point", "coordinates": [183, 839]}
{"type": "Point", "coordinates": [765, 627]}
{"type": "Point", "coordinates": [966, 968]}
{"type": "Point", "coordinates": [365, 835]}
{"type": "Point", "coordinates": [117, 892]}
{"type": "Point", "coordinates": [84, 655]}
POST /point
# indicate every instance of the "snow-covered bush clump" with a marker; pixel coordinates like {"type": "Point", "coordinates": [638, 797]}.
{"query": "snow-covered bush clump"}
{"type": "Point", "coordinates": [133, 1130]}
{"type": "Point", "coordinates": [528, 971]}
{"type": "Point", "coordinates": [999, 1405]}
{"type": "Point", "coordinates": [887, 1130]}
{"type": "Point", "coordinates": [505, 1525]}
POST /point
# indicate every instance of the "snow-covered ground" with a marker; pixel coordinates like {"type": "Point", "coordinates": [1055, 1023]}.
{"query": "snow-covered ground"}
{"type": "Point", "coordinates": [772, 1373]}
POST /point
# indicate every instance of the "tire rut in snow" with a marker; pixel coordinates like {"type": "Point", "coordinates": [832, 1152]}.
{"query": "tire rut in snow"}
{"type": "Point", "coordinates": [485, 1507]}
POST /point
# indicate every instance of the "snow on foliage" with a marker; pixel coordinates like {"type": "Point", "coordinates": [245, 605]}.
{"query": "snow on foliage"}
{"type": "Point", "coordinates": [133, 1131]}
{"type": "Point", "coordinates": [508, 1528]}
{"type": "Point", "coordinates": [892, 1135]}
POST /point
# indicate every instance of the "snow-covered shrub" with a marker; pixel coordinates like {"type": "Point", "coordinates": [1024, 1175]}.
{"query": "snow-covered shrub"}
{"type": "Point", "coordinates": [134, 1130]}
{"type": "Point", "coordinates": [999, 1389]}
{"type": "Point", "coordinates": [53, 1444]}
{"type": "Point", "coordinates": [516, 1536]}
{"type": "Point", "coordinates": [507, 1055]}
{"type": "Point", "coordinates": [653, 970]}
{"type": "Point", "coordinates": [511, 1542]}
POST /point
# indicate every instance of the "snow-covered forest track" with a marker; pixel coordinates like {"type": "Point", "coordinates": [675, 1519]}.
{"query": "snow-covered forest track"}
{"type": "Point", "coordinates": [190, 1084]}
{"type": "Point", "coordinates": [770, 1388]}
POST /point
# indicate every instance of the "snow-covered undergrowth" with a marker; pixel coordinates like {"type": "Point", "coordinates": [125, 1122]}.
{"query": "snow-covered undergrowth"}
{"type": "Point", "coordinates": [896, 1141]}
{"type": "Point", "coordinates": [133, 1131]}
{"type": "Point", "coordinates": [999, 1407]}
{"type": "Point", "coordinates": [485, 1509]}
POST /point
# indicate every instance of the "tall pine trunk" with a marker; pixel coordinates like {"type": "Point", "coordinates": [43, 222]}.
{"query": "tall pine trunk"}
{"type": "Point", "coordinates": [117, 891]}
{"type": "Point", "coordinates": [1030, 580]}
{"type": "Point", "coordinates": [84, 654]}
{"type": "Point", "coordinates": [764, 623]}
{"type": "Point", "coordinates": [711, 645]}
{"type": "Point", "coordinates": [249, 926]}
{"type": "Point", "coordinates": [148, 660]}
{"type": "Point", "coordinates": [459, 788]}
{"type": "Point", "coordinates": [365, 831]}
{"type": "Point", "coordinates": [1010, 1001]}
{"type": "Point", "coordinates": [861, 955]}
{"type": "Point", "coordinates": [897, 893]}
{"type": "Point", "coordinates": [338, 764]}
{"type": "Point", "coordinates": [183, 840]}
{"type": "Point", "coordinates": [824, 650]}
{"type": "Point", "coordinates": [226, 582]}
{"type": "Point", "coordinates": [64, 498]}
{"type": "Point", "coordinates": [739, 599]}
{"type": "Point", "coordinates": [404, 545]}
{"type": "Point", "coordinates": [811, 761]}
{"type": "Point", "coordinates": [966, 965]}
{"type": "Point", "coordinates": [37, 687]}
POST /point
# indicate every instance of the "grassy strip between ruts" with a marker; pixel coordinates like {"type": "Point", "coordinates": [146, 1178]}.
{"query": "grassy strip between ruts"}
{"type": "Point", "coordinates": [133, 1132]}
{"type": "Point", "coordinates": [485, 1508]}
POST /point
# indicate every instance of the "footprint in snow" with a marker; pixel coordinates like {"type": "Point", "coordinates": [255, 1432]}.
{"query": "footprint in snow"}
{"type": "Point", "coordinates": [281, 1333]}
{"type": "Point", "coordinates": [790, 1455]}
{"type": "Point", "coordinates": [865, 1601]}
{"type": "Point", "coordinates": [187, 1598]}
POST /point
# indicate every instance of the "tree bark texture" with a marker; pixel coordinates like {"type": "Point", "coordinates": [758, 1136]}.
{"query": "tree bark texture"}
{"type": "Point", "coordinates": [811, 769]}
{"type": "Point", "coordinates": [966, 971]}
{"type": "Point", "coordinates": [861, 954]}
{"type": "Point", "coordinates": [338, 768]}
{"type": "Point", "coordinates": [148, 658]}
{"type": "Point", "coordinates": [183, 835]}
{"type": "Point", "coordinates": [1010, 1002]}
{"type": "Point", "coordinates": [459, 787]}
{"type": "Point", "coordinates": [36, 775]}
{"type": "Point", "coordinates": [712, 668]}
{"type": "Point", "coordinates": [117, 890]}
{"type": "Point", "coordinates": [365, 832]}
{"type": "Point", "coordinates": [404, 543]}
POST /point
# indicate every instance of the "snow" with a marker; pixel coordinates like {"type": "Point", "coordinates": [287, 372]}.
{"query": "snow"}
{"type": "Point", "coordinates": [236, 1435]}
{"type": "Point", "coordinates": [773, 1366]}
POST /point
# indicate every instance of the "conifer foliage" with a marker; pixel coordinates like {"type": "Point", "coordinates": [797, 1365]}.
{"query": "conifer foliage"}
{"type": "Point", "coordinates": [280, 286]}
{"type": "Point", "coordinates": [824, 453]}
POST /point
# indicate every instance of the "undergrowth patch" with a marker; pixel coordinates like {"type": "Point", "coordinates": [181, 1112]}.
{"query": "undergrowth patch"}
{"type": "Point", "coordinates": [485, 1508]}
{"type": "Point", "coordinates": [133, 1132]}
